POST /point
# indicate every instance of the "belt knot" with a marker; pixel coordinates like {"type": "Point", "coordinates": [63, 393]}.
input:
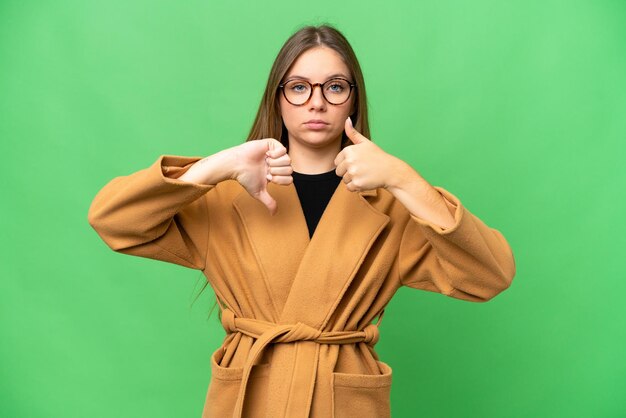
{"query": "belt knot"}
{"type": "Point", "coordinates": [371, 334]}
{"type": "Point", "coordinates": [300, 332]}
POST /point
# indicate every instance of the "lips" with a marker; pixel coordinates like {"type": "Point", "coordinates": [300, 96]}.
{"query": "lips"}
{"type": "Point", "coordinates": [316, 124]}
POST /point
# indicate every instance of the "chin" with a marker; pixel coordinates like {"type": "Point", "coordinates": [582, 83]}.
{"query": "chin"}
{"type": "Point", "coordinates": [319, 139]}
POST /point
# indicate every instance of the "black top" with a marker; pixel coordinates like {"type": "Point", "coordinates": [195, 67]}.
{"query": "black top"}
{"type": "Point", "coordinates": [315, 191]}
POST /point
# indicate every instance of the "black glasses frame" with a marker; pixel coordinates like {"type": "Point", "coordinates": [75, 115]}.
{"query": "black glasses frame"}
{"type": "Point", "coordinates": [313, 85]}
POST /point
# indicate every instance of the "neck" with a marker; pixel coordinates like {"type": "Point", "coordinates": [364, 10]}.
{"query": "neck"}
{"type": "Point", "coordinates": [307, 160]}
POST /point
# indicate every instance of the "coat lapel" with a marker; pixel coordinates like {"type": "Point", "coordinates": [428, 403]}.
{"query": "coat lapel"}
{"type": "Point", "coordinates": [275, 239]}
{"type": "Point", "coordinates": [344, 235]}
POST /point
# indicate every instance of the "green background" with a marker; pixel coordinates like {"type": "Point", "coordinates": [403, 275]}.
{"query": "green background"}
{"type": "Point", "coordinates": [518, 108]}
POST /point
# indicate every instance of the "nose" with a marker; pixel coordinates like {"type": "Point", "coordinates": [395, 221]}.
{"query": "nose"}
{"type": "Point", "coordinates": [317, 98]}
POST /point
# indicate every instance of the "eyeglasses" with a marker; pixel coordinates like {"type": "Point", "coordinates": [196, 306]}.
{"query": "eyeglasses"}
{"type": "Point", "coordinates": [336, 91]}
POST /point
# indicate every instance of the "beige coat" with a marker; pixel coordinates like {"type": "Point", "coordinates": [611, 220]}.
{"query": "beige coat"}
{"type": "Point", "coordinates": [299, 311]}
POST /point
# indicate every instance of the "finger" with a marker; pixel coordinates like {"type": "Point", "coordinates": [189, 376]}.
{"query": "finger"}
{"type": "Point", "coordinates": [282, 180]}
{"type": "Point", "coordinates": [264, 197]}
{"type": "Point", "coordinates": [281, 171]}
{"type": "Point", "coordinates": [276, 152]}
{"type": "Point", "coordinates": [341, 169]}
{"type": "Point", "coordinates": [339, 158]}
{"type": "Point", "coordinates": [275, 148]}
{"type": "Point", "coordinates": [280, 161]}
{"type": "Point", "coordinates": [347, 178]}
{"type": "Point", "coordinates": [352, 133]}
{"type": "Point", "coordinates": [350, 186]}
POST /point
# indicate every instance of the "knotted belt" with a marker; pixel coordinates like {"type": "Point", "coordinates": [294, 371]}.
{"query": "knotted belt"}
{"type": "Point", "coordinates": [267, 332]}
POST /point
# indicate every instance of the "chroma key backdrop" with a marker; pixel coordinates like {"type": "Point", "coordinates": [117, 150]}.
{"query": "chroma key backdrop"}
{"type": "Point", "coordinates": [516, 107]}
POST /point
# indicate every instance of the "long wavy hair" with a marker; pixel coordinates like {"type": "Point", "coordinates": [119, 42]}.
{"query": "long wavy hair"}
{"type": "Point", "coordinates": [268, 122]}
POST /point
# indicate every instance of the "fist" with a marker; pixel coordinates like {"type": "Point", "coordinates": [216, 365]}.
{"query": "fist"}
{"type": "Point", "coordinates": [259, 162]}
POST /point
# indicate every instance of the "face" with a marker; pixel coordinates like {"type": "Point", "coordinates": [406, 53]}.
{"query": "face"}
{"type": "Point", "coordinates": [316, 65]}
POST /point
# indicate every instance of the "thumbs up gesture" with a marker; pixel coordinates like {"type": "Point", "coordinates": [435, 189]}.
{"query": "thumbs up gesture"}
{"type": "Point", "coordinates": [363, 165]}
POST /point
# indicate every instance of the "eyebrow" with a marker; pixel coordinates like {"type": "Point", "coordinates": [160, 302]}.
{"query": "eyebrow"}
{"type": "Point", "coordinates": [327, 78]}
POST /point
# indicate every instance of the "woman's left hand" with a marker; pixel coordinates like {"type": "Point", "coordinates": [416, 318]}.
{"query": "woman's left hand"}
{"type": "Point", "coordinates": [364, 165]}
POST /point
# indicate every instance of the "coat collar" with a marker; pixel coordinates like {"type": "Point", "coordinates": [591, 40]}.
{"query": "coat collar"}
{"type": "Point", "coordinates": [294, 267]}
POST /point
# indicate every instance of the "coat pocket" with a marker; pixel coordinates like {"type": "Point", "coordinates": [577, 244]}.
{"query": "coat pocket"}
{"type": "Point", "coordinates": [362, 395]}
{"type": "Point", "coordinates": [224, 389]}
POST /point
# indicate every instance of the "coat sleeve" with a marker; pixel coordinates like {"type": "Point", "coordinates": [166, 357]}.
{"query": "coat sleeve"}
{"type": "Point", "coordinates": [152, 214]}
{"type": "Point", "coordinates": [468, 261]}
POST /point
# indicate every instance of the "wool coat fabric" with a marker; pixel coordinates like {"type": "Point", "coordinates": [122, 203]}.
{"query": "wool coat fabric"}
{"type": "Point", "coordinates": [299, 312]}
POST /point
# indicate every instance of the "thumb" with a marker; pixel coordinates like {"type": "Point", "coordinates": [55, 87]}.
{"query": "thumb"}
{"type": "Point", "coordinates": [264, 197]}
{"type": "Point", "coordinates": [352, 133]}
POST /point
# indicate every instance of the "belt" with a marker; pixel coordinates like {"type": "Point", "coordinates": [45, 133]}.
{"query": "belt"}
{"type": "Point", "coordinates": [267, 332]}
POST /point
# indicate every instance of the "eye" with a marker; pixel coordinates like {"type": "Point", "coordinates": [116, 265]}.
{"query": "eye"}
{"type": "Point", "coordinates": [297, 87]}
{"type": "Point", "coordinates": [336, 87]}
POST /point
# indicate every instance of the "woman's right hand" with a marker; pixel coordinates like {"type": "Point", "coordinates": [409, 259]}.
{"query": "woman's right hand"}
{"type": "Point", "coordinates": [259, 162]}
{"type": "Point", "coordinates": [253, 164]}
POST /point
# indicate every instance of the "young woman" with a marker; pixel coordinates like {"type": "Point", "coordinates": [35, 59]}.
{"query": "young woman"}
{"type": "Point", "coordinates": [304, 232]}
